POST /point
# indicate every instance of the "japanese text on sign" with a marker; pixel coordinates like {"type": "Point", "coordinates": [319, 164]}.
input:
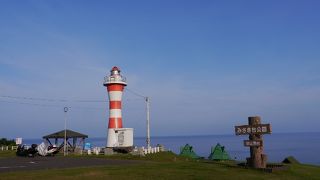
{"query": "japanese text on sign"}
{"type": "Point", "coordinates": [256, 129]}
{"type": "Point", "coordinates": [252, 142]}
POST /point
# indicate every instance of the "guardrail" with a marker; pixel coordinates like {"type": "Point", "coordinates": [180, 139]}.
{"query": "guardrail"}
{"type": "Point", "coordinates": [151, 150]}
{"type": "Point", "coordinates": [8, 148]}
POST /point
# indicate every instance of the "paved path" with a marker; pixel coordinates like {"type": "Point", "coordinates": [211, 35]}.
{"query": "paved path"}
{"type": "Point", "coordinates": [29, 163]}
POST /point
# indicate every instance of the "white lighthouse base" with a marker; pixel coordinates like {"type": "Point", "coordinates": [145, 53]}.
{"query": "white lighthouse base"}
{"type": "Point", "coordinates": [120, 137]}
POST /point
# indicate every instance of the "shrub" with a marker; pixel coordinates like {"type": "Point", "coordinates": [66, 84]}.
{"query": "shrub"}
{"type": "Point", "coordinates": [5, 142]}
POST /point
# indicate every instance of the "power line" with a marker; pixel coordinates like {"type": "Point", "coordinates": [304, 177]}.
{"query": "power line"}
{"type": "Point", "coordinates": [65, 100]}
{"type": "Point", "coordinates": [146, 98]}
{"type": "Point", "coordinates": [49, 100]}
{"type": "Point", "coordinates": [34, 104]}
{"type": "Point", "coordinates": [61, 100]}
{"type": "Point", "coordinates": [32, 98]}
{"type": "Point", "coordinates": [135, 93]}
{"type": "Point", "coordinates": [55, 106]}
{"type": "Point", "coordinates": [57, 100]}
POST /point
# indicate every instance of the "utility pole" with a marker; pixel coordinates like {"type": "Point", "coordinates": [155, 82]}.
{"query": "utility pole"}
{"type": "Point", "coordinates": [148, 122]}
{"type": "Point", "coordinates": [65, 131]}
{"type": "Point", "coordinates": [147, 99]}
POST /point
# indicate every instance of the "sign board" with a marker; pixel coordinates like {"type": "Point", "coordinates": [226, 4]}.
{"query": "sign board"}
{"type": "Point", "coordinates": [253, 129]}
{"type": "Point", "coordinates": [18, 141]}
{"type": "Point", "coordinates": [87, 146]}
{"type": "Point", "coordinates": [250, 143]}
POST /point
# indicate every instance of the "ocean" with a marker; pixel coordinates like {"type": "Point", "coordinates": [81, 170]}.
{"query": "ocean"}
{"type": "Point", "coordinates": [303, 146]}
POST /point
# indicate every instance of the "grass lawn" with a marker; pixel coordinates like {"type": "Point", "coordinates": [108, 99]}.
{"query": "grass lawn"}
{"type": "Point", "coordinates": [165, 166]}
{"type": "Point", "coordinates": [5, 154]}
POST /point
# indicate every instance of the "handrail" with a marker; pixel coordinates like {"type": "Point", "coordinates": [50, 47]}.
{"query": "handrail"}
{"type": "Point", "coordinates": [109, 79]}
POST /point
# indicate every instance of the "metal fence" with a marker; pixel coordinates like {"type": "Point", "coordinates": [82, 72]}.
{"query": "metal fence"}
{"type": "Point", "coordinates": [8, 148]}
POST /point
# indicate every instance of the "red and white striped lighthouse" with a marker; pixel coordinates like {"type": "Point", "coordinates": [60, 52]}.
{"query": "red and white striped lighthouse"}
{"type": "Point", "coordinates": [115, 84]}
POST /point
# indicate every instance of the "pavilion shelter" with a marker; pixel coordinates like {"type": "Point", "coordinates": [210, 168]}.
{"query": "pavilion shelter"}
{"type": "Point", "coordinates": [78, 139]}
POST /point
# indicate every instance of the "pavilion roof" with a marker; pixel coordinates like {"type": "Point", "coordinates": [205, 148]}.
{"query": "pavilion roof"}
{"type": "Point", "coordinates": [70, 134]}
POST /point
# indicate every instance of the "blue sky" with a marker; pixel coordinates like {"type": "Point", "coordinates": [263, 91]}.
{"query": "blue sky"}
{"type": "Point", "coordinates": [207, 65]}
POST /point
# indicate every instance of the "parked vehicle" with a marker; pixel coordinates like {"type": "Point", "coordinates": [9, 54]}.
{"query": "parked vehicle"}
{"type": "Point", "coordinates": [42, 149]}
{"type": "Point", "coordinates": [24, 150]}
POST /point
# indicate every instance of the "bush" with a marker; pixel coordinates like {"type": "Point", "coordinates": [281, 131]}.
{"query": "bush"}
{"type": "Point", "coordinates": [5, 142]}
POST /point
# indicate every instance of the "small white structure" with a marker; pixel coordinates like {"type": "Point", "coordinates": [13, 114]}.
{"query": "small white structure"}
{"type": "Point", "coordinates": [18, 141]}
{"type": "Point", "coordinates": [96, 150]}
{"type": "Point", "coordinates": [120, 137]}
{"type": "Point", "coordinates": [151, 150]}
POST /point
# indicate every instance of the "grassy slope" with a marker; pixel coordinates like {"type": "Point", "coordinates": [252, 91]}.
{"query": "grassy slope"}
{"type": "Point", "coordinates": [166, 166]}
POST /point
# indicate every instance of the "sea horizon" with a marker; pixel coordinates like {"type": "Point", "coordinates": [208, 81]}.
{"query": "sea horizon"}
{"type": "Point", "coordinates": [193, 135]}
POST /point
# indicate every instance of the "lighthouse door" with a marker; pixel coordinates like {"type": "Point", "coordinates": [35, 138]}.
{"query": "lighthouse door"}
{"type": "Point", "coordinates": [121, 138]}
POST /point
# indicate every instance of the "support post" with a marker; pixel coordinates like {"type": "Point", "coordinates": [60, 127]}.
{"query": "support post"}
{"type": "Point", "coordinates": [83, 143]}
{"type": "Point", "coordinates": [74, 143]}
{"type": "Point", "coordinates": [257, 158]}
{"type": "Point", "coordinates": [148, 123]}
{"type": "Point", "coordinates": [65, 131]}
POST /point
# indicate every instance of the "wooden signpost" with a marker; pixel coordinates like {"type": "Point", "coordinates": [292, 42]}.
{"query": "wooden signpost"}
{"type": "Point", "coordinates": [255, 130]}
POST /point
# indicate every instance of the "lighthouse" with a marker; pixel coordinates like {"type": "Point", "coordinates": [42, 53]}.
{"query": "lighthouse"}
{"type": "Point", "coordinates": [118, 136]}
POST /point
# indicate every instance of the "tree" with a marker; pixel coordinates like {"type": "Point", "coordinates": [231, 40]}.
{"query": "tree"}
{"type": "Point", "coordinates": [5, 142]}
